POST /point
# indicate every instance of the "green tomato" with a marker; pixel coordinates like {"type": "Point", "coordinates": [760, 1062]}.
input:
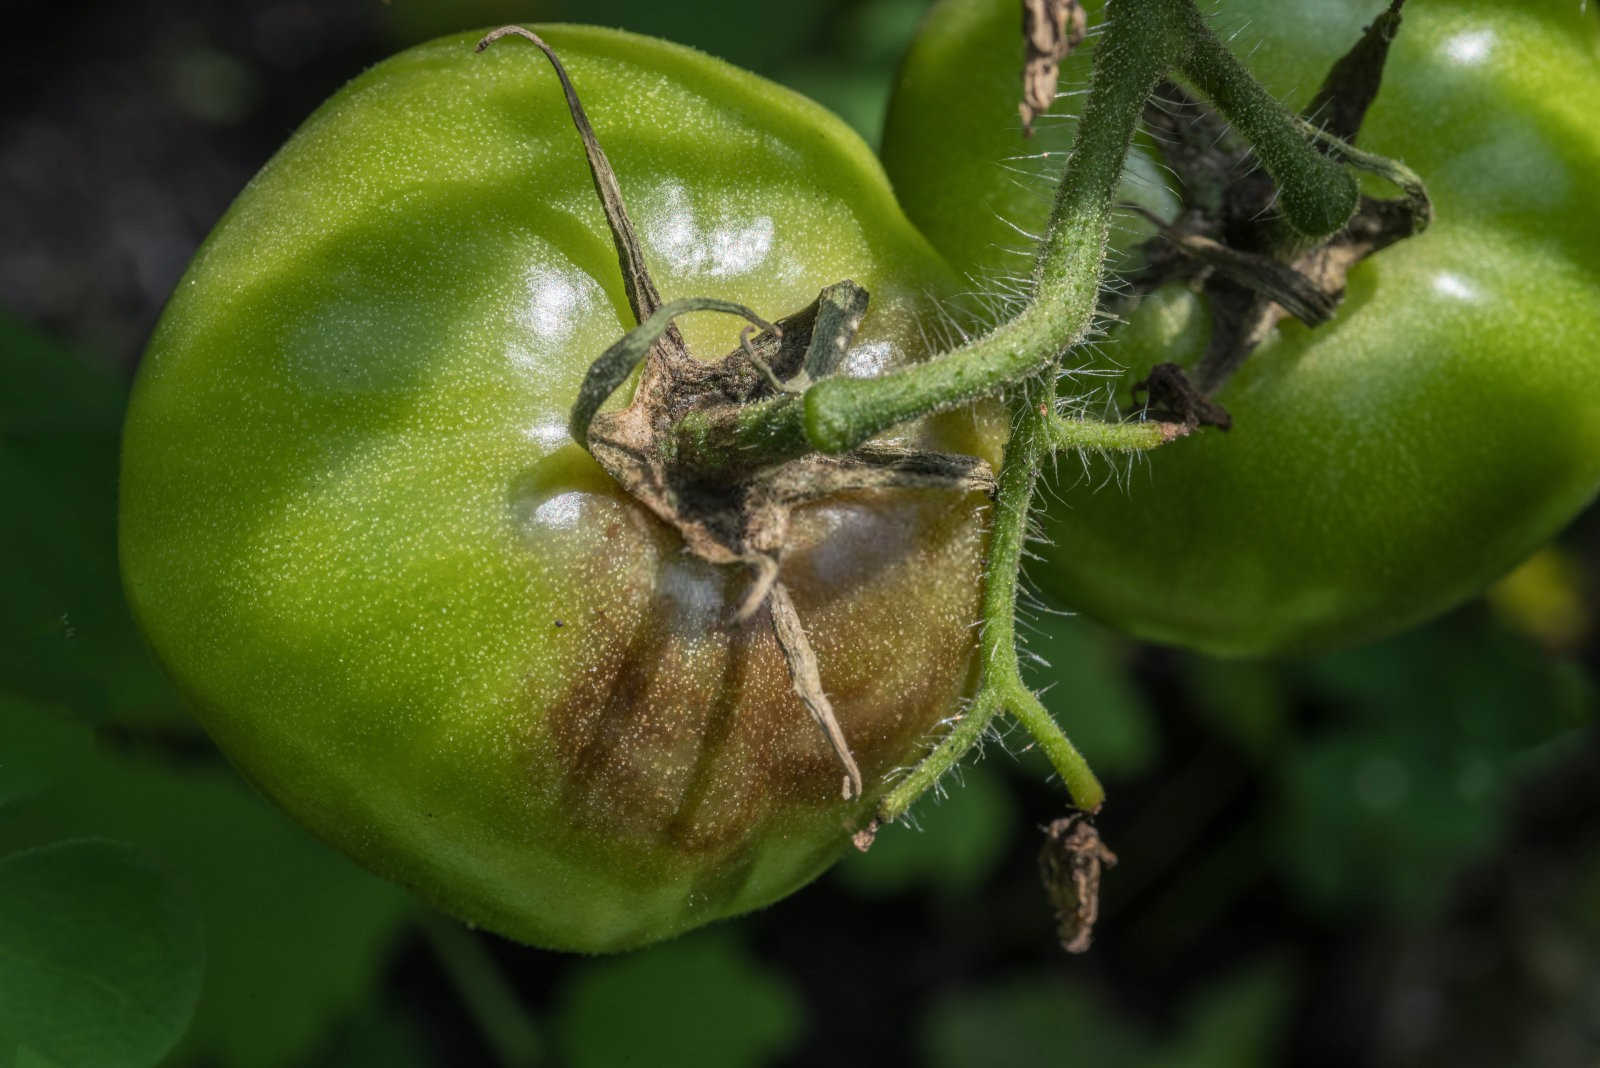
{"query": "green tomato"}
{"type": "Point", "coordinates": [1382, 467]}
{"type": "Point", "coordinates": [417, 614]}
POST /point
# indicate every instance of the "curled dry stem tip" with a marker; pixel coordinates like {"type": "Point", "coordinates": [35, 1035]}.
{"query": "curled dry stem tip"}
{"type": "Point", "coordinates": [807, 681]}
{"type": "Point", "coordinates": [641, 290]}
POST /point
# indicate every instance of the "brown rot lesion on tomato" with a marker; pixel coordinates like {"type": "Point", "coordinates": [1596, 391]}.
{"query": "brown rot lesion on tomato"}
{"type": "Point", "coordinates": [1229, 243]}
{"type": "Point", "coordinates": [696, 443]}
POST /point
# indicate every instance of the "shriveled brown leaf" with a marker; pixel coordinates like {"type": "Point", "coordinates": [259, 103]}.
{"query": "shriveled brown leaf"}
{"type": "Point", "coordinates": [1051, 29]}
{"type": "Point", "coordinates": [1070, 864]}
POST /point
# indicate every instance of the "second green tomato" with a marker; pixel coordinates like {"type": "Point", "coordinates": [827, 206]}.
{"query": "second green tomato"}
{"type": "Point", "coordinates": [1383, 467]}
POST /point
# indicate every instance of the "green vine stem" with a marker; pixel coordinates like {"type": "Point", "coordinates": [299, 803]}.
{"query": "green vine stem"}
{"type": "Point", "coordinates": [1316, 195]}
{"type": "Point", "coordinates": [1138, 47]}
{"type": "Point", "coordinates": [1037, 431]}
{"type": "Point", "coordinates": [1001, 687]}
{"type": "Point", "coordinates": [1143, 41]}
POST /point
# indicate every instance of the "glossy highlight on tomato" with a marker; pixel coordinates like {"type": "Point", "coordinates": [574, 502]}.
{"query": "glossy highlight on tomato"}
{"type": "Point", "coordinates": [416, 613]}
{"type": "Point", "coordinates": [1389, 464]}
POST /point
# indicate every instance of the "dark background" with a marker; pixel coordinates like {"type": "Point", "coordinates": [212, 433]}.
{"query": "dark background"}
{"type": "Point", "coordinates": [1382, 857]}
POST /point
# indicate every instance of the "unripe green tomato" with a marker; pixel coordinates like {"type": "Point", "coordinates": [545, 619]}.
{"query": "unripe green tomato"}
{"type": "Point", "coordinates": [410, 608]}
{"type": "Point", "coordinates": [1389, 464]}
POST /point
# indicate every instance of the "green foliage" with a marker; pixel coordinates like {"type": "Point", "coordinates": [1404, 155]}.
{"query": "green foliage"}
{"type": "Point", "coordinates": [67, 635]}
{"type": "Point", "coordinates": [700, 1000]}
{"type": "Point", "coordinates": [94, 743]}
{"type": "Point", "coordinates": [1032, 1020]}
{"type": "Point", "coordinates": [295, 933]}
{"type": "Point", "coordinates": [1433, 734]}
{"type": "Point", "coordinates": [100, 957]}
{"type": "Point", "coordinates": [375, 1035]}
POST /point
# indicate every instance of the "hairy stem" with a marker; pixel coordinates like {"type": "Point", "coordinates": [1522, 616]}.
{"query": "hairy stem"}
{"type": "Point", "coordinates": [1000, 687]}
{"type": "Point", "coordinates": [1137, 48]}
{"type": "Point", "coordinates": [1142, 41]}
{"type": "Point", "coordinates": [1316, 194]}
{"type": "Point", "coordinates": [1060, 433]}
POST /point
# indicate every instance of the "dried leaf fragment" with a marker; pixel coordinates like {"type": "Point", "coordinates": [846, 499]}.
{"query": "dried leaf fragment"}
{"type": "Point", "coordinates": [1070, 864]}
{"type": "Point", "coordinates": [1051, 29]}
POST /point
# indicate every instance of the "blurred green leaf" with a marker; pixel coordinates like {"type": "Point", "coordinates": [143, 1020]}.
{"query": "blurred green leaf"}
{"type": "Point", "coordinates": [1247, 701]}
{"type": "Point", "coordinates": [295, 933]}
{"type": "Point", "coordinates": [100, 957]}
{"type": "Point", "coordinates": [1459, 677]}
{"type": "Point", "coordinates": [28, 1057]}
{"type": "Point", "coordinates": [1026, 1022]}
{"type": "Point", "coordinates": [880, 31]}
{"type": "Point", "coordinates": [1412, 784]}
{"type": "Point", "coordinates": [700, 1002]}
{"type": "Point", "coordinates": [1035, 1020]}
{"type": "Point", "coordinates": [50, 390]}
{"type": "Point", "coordinates": [374, 1036]}
{"type": "Point", "coordinates": [1239, 1023]}
{"type": "Point", "coordinates": [66, 636]}
{"type": "Point", "coordinates": [35, 745]}
{"type": "Point", "coordinates": [957, 842]}
{"type": "Point", "coordinates": [851, 69]}
{"type": "Point", "coordinates": [1378, 818]}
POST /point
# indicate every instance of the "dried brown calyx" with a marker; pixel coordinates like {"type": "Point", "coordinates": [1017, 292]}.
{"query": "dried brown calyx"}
{"type": "Point", "coordinates": [1230, 244]}
{"type": "Point", "coordinates": [1071, 862]}
{"type": "Point", "coordinates": [677, 446]}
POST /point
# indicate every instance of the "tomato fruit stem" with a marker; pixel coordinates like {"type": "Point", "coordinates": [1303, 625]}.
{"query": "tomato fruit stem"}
{"type": "Point", "coordinates": [1316, 195]}
{"type": "Point", "coordinates": [1001, 687]}
{"type": "Point", "coordinates": [832, 415]}
{"type": "Point", "coordinates": [1143, 38]}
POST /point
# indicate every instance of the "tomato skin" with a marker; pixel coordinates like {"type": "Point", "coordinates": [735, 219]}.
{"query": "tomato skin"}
{"type": "Point", "coordinates": [418, 615]}
{"type": "Point", "coordinates": [1381, 468]}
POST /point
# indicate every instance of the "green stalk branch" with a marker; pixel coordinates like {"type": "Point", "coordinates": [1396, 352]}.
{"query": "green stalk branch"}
{"type": "Point", "coordinates": [1001, 687]}
{"type": "Point", "coordinates": [1136, 52]}
{"type": "Point", "coordinates": [1408, 181]}
{"type": "Point", "coordinates": [1138, 47]}
{"type": "Point", "coordinates": [1060, 434]}
{"type": "Point", "coordinates": [1316, 194]}
{"type": "Point", "coordinates": [1143, 40]}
